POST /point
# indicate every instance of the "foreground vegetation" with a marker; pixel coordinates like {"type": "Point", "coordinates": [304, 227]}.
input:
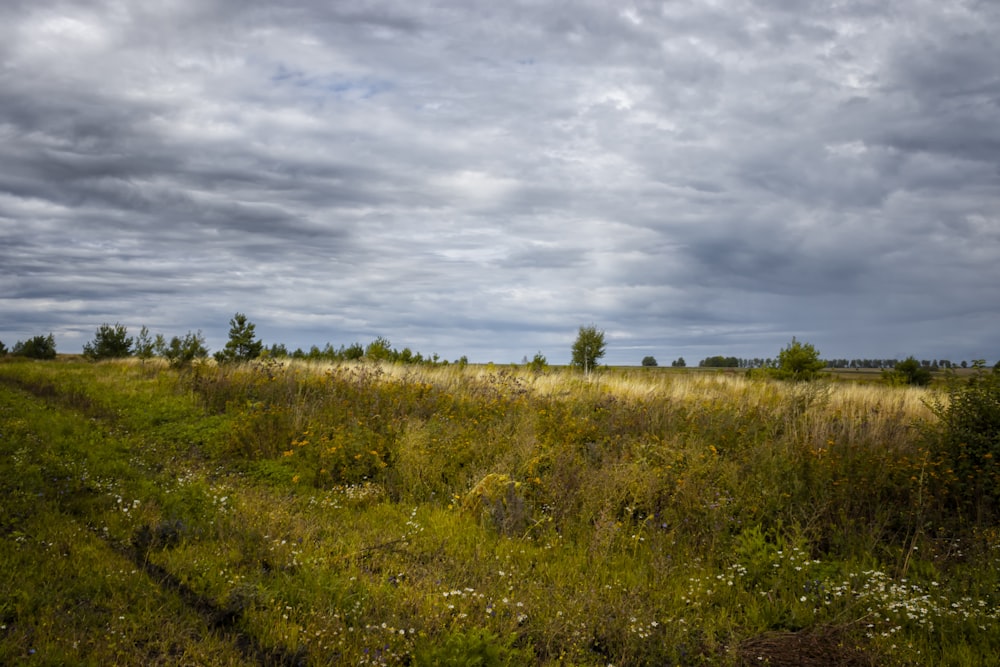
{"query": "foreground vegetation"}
{"type": "Point", "coordinates": [292, 514]}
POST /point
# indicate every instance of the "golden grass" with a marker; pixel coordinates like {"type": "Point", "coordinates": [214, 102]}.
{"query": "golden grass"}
{"type": "Point", "coordinates": [872, 401]}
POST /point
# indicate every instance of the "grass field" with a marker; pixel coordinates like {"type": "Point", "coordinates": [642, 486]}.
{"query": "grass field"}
{"type": "Point", "coordinates": [278, 514]}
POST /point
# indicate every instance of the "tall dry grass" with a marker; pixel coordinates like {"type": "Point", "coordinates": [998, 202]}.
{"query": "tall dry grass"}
{"type": "Point", "coordinates": [701, 453]}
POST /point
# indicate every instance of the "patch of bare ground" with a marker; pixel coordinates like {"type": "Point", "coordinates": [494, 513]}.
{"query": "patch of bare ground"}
{"type": "Point", "coordinates": [826, 646]}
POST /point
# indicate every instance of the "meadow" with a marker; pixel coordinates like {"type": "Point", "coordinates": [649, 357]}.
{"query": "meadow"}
{"type": "Point", "coordinates": [281, 513]}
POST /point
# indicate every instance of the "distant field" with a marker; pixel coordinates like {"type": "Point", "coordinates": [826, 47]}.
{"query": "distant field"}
{"type": "Point", "coordinates": [864, 375]}
{"type": "Point", "coordinates": [306, 514]}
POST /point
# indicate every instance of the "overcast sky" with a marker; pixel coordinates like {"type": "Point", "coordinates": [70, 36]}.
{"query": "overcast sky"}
{"type": "Point", "coordinates": [483, 178]}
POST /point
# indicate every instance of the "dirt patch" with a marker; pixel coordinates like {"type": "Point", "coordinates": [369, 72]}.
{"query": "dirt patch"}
{"type": "Point", "coordinates": [829, 646]}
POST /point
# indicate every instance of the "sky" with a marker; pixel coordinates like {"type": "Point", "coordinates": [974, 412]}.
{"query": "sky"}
{"type": "Point", "coordinates": [483, 178]}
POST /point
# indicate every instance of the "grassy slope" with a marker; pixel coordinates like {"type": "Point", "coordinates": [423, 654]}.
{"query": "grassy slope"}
{"type": "Point", "coordinates": [329, 515]}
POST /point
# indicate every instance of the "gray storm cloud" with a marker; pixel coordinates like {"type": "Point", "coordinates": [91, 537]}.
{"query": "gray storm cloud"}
{"type": "Point", "coordinates": [483, 178]}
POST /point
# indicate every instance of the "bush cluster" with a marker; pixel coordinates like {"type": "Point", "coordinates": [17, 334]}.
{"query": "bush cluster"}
{"type": "Point", "coordinates": [967, 444]}
{"type": "Point", "coordinates": [38, 347]}
{"type": "Point", "coordinates": [110, 342]}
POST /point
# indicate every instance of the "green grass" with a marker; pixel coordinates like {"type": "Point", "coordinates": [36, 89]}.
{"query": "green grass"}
{"type": "Point", "coordinates": [357, 514]}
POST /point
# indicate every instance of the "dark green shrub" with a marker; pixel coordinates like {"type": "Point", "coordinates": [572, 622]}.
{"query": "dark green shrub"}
{"type": "Point", "coordinates": [354, 351]}
{"type": "Point", "coordinates": [183, 351]}
{"type": "Point", "coordinates": [968, 443]}
{"type": "Point", "coordinates": [538, 363]}
{"type": "Point", "coordinates": [912, 372]}
{"type": "Point", "coordinates": [39, 347]}
{"type": "Point", "coordinates": [380, 349]}
{"type": "Point", "coordinates": [110, 342]}
{"type": "Point", "coordinates": [798, 361]}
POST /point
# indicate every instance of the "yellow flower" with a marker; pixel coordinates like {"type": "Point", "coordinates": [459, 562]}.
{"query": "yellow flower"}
{"type": "Point", "coordinates": [295, 480]}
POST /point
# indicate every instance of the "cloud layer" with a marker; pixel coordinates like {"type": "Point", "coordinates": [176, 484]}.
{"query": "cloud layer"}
{"type": "Point", "coordinates": [481, 178]}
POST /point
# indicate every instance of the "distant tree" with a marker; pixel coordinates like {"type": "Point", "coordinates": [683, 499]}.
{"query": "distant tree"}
{"type": "Point", "coordinates": [380, 349]}
{"type": "Point", "coordinates": [799, 361]}
{"type": "Point", "coordinates": [183, 351]}
{"type": "Point", "coordinates": [160, 345]}
{"type": "Point", "coordinates": [462, 361]}
{"type": "Point", "coordinates": [145, 346]}
{"type": "Point", "coordinates": [278, 350]}
{"type": "Point", "coordinates": [39, 347]}
{"type": "Point", "coordinates": [965, 364]}
{"type": "Point", "coordinates": [242, 344]}
{"type": "Point", "coordinates": [649, 361]}
{"type": "Point", "coordinates": [110, 342]}
{"type": "Point", "coordinates": [538, 363]}
{"type": "Point", "coordinates": [719, 362]}
{"type": "Point", "coordinates": [588, 347]}
{"type": "Point", "coordinates": [3, 349]}
{"type": "Point", "coordinates": [679, 363]}
{"type": "Point", "coordinates": [911, 371]}
{"type": "Point", "coordinates": [354, 352]}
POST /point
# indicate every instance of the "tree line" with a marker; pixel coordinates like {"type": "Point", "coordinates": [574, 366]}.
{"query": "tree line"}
{"type": "Point", "coordinates": [875, 364]}
{"type": "Point", "coordinates": [112, 341]}
{"type": "Point", "coordinates": [798, 360]}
